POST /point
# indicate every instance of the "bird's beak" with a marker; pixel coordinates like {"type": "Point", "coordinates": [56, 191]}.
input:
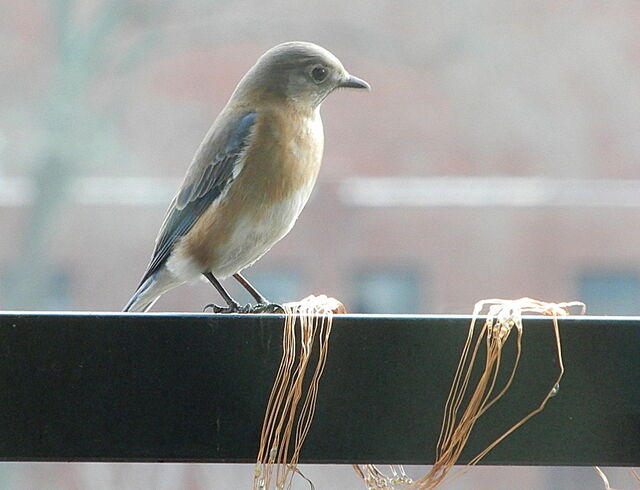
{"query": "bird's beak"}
{"type": "Point", "coordinates": [354, 82]}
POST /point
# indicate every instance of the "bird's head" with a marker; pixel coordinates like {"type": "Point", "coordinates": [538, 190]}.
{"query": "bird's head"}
{"type": "Point", "coordinates": [301, 72]}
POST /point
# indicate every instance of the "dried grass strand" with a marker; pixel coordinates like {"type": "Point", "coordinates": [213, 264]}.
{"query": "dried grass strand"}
{"type": "Point", "coordinates": [502, 317]}
{"type": "Point", "coordinates": [374, 478]}
{"type": "Point", "coordinates": [605, 480]}
{"type": "Point", "coordinates": [287, 421]}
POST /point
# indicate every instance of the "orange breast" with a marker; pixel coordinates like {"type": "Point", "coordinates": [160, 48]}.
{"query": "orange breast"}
{"type": "Point", "coordinates": [281, 164]}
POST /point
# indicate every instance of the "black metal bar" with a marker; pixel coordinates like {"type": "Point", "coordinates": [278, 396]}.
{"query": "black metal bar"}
{"type": "Point", "coordinates": [127, 387]}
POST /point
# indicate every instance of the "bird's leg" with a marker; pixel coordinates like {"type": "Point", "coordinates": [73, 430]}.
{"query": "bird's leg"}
{"type": "Point", "coordinates": [264, 305]}
{"type": "Point", "coordinates": [251, 289]}
{"type": "Point", "coordinates": [232, 305]}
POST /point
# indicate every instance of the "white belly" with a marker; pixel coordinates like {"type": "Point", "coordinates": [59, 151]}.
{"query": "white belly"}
{"type": "Point", "coordinates": [253, 238]}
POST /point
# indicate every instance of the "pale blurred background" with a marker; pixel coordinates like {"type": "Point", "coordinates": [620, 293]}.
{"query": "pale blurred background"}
{"type": "Point", "coordinates": [498, 155]}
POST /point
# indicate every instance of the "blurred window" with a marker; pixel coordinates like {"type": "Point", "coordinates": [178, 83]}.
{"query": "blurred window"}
{"type": "Point", "coordinates": [276, 284]}
{"type": "Point", "coordinates": [52, 292]}
{"type": "Point", "coordinates": [610, 293]}
{"type": "Point", "coordinates": [386, 291]}
{"type": "Point", "coordinates": [58, 295]}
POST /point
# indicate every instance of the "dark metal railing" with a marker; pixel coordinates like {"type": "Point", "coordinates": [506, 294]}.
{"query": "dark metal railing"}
{"type": "Point", "coordinates": [158, 387]}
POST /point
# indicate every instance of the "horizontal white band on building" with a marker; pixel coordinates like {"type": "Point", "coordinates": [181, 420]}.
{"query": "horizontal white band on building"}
{"type": "Point", "coordinates": [374, 192]}
{"type": "Point", "coordinates": [456, 191]}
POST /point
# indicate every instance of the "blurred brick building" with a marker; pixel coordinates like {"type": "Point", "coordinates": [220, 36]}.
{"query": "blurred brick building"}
{"type": "Point", "coordinates": [411, 213]}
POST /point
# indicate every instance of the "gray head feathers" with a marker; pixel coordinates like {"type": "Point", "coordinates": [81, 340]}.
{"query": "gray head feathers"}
{"type": "Point", "coordinates": [301, 72]}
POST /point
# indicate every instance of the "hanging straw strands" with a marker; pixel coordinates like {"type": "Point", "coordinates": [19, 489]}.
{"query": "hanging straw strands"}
{"type": "Point", "coordinates": [375, 479]}
{"type": "Point", "coordinates": [502, 317]}
{"type": "Point", "coordinates": [287, 421]}
{"type": "Point", "coordinates": [305, 321]}
{"type": "Point", "coordinates": [458, 421]}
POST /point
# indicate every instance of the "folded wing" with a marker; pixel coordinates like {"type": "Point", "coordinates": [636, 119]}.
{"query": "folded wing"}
{"type": "Point", "coordinates": [218, 162]}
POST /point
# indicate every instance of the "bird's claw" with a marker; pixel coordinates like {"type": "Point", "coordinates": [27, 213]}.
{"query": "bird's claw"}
{"type": "Point", "coordinates": [267, 308]}
{"type": "Point", "coordinates": [231, 308]}
{"type": "Point", "coordinates": [248, 308]}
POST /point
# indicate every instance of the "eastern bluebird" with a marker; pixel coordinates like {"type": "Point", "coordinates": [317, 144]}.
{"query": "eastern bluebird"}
{"type": "Point", "coordinates": [250, 177]}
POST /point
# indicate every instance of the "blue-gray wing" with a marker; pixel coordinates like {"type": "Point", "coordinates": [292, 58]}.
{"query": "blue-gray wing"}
{"type": "Point", "coordinates": [209, 175]}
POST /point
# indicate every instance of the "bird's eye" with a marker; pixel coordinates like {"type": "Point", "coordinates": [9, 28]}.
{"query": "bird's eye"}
{"type": "Point", "coordinates": [319, 73]}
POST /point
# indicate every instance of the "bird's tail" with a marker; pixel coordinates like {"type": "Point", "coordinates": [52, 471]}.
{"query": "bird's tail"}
{"type": "Point", "coordinates": [136, 304]}
{"type": "Point", "coordinates": [150, 290]}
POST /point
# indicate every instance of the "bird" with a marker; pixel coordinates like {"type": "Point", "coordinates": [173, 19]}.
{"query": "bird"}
{"type": "Point", "coordinates": [250, 177]}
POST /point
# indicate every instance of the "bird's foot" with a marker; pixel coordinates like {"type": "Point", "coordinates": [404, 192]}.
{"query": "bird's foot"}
{"type": "Point", "coordinates": [230, 308]}
{"type": "Point", "coordinates": [266, 307]}
{"type": "Point", "coordinates": [248, 308]}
